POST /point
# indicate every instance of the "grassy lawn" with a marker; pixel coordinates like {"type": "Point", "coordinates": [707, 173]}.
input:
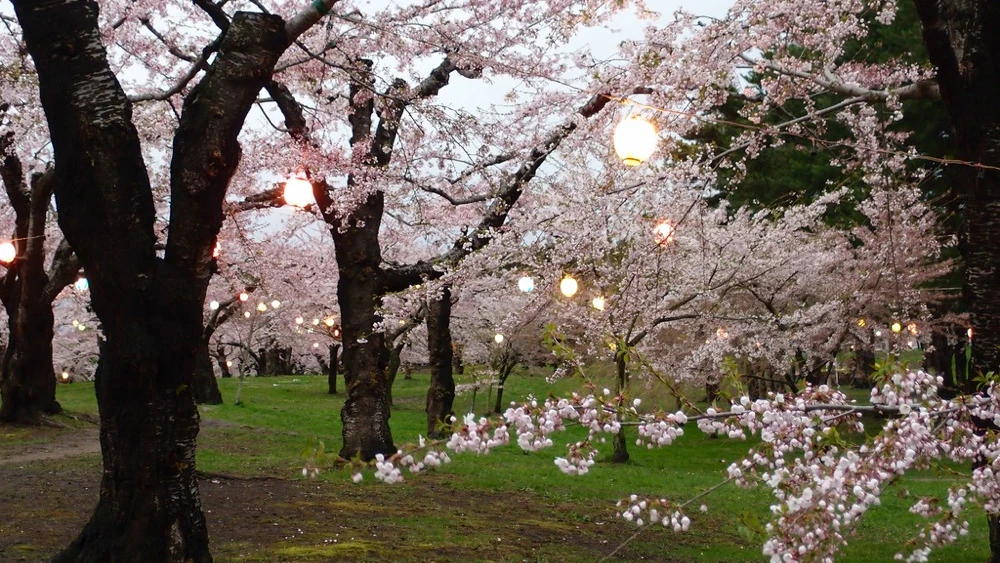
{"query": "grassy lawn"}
{"type": "Point", "coordinates": [281, 417]}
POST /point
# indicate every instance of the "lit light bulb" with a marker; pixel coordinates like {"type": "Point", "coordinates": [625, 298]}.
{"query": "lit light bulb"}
{"type": "Point", "coordinates": [635, 140]}
{"type": "Point", "coordinates": [261, 307]}
{"type": "Point", "coordinates": [568, 286]}
{"type": "Point", "coordinates": [663, 232]}
{"type": "Point", "coordinates": [65, 375]}
{"type": "Point", "coordinates": [7, 252]}
{"type": "Point", "coordinates": [214, 305]}
{"type": "Point", "coordinates": [229, 363]}
{"type": "Point", "coordinates": [246, 314]}
{"type": "Point", "coordinates": [526, 284]}
{"type": "Point", "coordinates": [329, 321]}
{"type": "Point", "coordinates": [315, 344]}
{"type": "Point", "coordinates": [896, 327]}
{"type": "Point", "coordinates": [81, 327]}
{"type": "Point", "coordinates": [299, 320]}
{"type": "Point", "coordinates": [244, 296]}
{"type": "Point", "coordinates": [76, 323]}
{"type": "Point", "coordinates": [299, 191]}
{"type": "Point", "coordinates": [498, 338]}
{"type": "Point", "coordinates": [315, 322]}
{"type": "Point", "coordinates": [275, 304]}
{"type": "Point", "coordinates": [598, 303]}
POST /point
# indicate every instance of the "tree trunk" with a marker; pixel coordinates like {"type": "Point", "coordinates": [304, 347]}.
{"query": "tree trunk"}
{"type": "Point", "coordinates": [365, 414]}
{"type": "Point", "coordinates": [620, 453]}
{"type": "Point", "coordinates": [962, 42]}
{"type": "Point", "coordinates": [507, 367]}
{"type": "Point", "coordinates": [27, 380]}
{"type": "Point", "coordinates": [332, 378]}
{"type": "Point", "coordinates": [457, 365]}
{"type": "Point", "coordinates": [205, 386]}
{"type": "Point", "coordinates": [441, 393]}
{"type": "Point", "coordinates": [392, 370]}
{"type": "Point", "coordinates": [222, 360]}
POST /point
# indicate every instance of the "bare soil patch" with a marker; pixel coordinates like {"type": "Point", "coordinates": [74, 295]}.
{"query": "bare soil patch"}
{"type": "Point", "coordinates": [50, 485]}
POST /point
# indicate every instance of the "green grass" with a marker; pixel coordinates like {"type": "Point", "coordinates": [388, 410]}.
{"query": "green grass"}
{"type": "Point", "coordinates": [280, 417]}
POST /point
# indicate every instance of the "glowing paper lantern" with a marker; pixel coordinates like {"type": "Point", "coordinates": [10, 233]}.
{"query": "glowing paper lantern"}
{"type": "Point", "coordinates": [663, 232]}
{"type": "Point", "coordinates": [896, 327]}
{"type": "Point", "coordinates": [526, 284]}
{"type": "Point", "coordinates": [635, 140]}
{"type": "Point", "coordinates": [275, 304]}
{"type": "Point", "coordinates": [246, 314]}
{"type": "Point", "coordinates": [65, 376]}
{"type": "Point", "coordinates": [299, 320]}
{"type": "Point", "coordinates": [598, 303]}
{"type": "Point", "coordinates": [861, 323]}
{"type": "Point", "coordinates": [82, 284]}
{"type": "Point", "coordinates": [568, 286]}
{"type": "Point", "coordinates": [215, 251]}
{"type": "Point", "coordinates": [214, 305]}
{"type": "Point", "coordinates": [244, 296]}
{"type": "Point", "coordinates": [299, 191]}
{"type": "Point", "coordinates": [329, 321]}
{"type": "Point", "coordinates": [498, 338]}
{"type": "Point", "coordinates": [261, 307]}
{"type": "Point", "coordinates": [7, 252]}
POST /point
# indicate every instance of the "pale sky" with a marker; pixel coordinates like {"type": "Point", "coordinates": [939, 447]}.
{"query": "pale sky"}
{"type": "Point", "coordinates": [603, 42]}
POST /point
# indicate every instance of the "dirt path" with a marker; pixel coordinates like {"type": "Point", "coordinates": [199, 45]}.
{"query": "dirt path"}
{"type": "Point", "coordinates": [64, 444]}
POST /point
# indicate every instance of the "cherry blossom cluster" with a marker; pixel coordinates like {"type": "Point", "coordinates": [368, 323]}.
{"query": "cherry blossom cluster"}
{"type": "Point", "coordinates": [644, 511]}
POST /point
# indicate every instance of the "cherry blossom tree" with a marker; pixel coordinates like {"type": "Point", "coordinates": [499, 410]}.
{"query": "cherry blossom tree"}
{"type": "Point", "coordinates": [149, 307]}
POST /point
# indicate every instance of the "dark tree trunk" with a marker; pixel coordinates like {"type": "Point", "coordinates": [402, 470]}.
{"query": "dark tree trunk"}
{"type": "Point", "coordinates": [506, 368]}
{"type": "Point", "coordinates": [27, 380]}
{"type": "Point", "coordinates": [620, 453]}
{"type": "Point", "coordinates": [150, 308]}
{"type": "Point", "coordinates": [359, 291]}
{"type": "Point", "coordinates": [441, 393]}
{"type": "Point", "coordinates": [222, 360]}
{"type": "Point", "coordinates": [334, 361]}
{"type": "Point", "coordinates": [204, 385]}
{"type": "Point", "coordinates": [864, 366]}
{"type": "Point", "coordinates": [964, 46]}
{"type": "Point", "coordinates": [392, 370]}
{"type": "Point", "coordinates": [456, 364]}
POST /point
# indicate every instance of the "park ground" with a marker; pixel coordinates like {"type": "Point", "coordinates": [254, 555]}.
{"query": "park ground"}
{"type": "Point", "coordinates": [505, 507]}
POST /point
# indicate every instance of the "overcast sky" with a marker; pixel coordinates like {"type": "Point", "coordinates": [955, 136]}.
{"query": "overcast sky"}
{"type": "Point", "coordinates": [602, 41]}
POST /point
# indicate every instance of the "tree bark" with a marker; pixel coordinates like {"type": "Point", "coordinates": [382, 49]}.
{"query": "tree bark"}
{"type": "Point", "coordinates": [620, 453]}
{"type": "Point", "coordinates": [964, 46]}
{"type": "Point", "coordinates": [441, 393]}
{"type": "Point", "coordinates": [204, 385]}
{"type": "Point", "coordinates": [392, 370]}
{"type": "Point", "coordinates": [27, 380]}
{"type": "Point", "coordinates": [365, 414]}
{"type": "Point", "coordinates": [222, 360]}
{"type": "Point", "coordinates": [150, 308]}
{"type": "Point", "coordinates": [334, 368]}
